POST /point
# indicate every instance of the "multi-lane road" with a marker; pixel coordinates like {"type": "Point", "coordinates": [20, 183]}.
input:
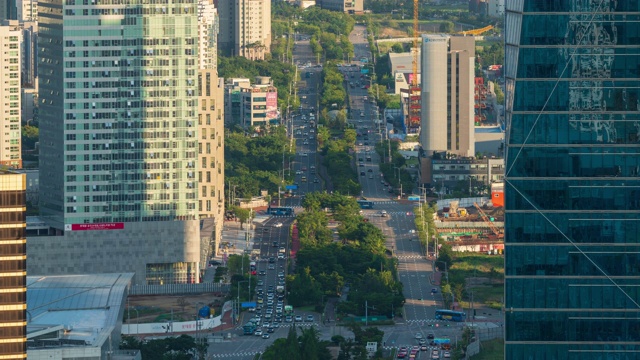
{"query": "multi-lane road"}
{"type": "Point", "coordinates": [398, 226]}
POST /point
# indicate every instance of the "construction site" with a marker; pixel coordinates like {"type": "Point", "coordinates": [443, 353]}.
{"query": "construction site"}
{"type": "Point", "coordinates": [475, 228]}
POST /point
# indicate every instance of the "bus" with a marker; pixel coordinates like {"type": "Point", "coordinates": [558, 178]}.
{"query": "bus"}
{"type": "Point", "coordinates": [365, 204]}
{"type": "Point", "coordinates": [249, 328]}
{"type": "Point", "coordinates": [450, 315]}
{"type": "Point", "coordinates": [280, 210]}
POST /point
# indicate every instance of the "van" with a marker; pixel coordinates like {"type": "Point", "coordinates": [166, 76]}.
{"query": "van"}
{"type": "Point", "coordinates": [304, 179]}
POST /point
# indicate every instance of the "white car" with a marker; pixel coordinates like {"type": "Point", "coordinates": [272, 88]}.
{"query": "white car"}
{"type": "Point", "coordinates": [278, 225]}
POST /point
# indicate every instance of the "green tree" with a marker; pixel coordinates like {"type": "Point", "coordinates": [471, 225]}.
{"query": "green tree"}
{"type": "Point", "coordinates": [499, 94]}
{"type": "Point", "coordinates": [238, 264]}
{"type": "Point", "coordinates": [397, 48]}
{"type": "Point", "coordinates": [445, 254]}
{"type": "Point", "coordinates": [446, 27]}
{"type": "Point", "coordinates": [243, 215]}
{"type": "Point", "coordinates": [30, 135]}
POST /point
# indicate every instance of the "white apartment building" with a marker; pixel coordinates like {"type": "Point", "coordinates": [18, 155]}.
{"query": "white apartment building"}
{"type": "Point", "coordinates": [245, 28]}
{"type": "Point", "coordinates": [10, 114]}
{"type": "Point", "coordinates": [27, 10]}
{"type": "Point", "coordinates": [447, 82]}
{"type": "Point", "coordinates": [495, 8]}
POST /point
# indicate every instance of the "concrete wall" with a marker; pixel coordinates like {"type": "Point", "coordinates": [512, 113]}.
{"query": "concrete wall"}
{"type": "Point", "coordinates": [105, 251]}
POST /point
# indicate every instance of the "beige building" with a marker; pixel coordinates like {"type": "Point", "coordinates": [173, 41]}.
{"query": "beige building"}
{"type": "Point", "coordinates": [210, 122]}
{"type": "Point", "coordinates": [447, 78]}
{"type": "Point", "coordinates": [251, 105]}
{"type": "Point", "coordinates": [245, 28]}
{"type": "Point", "coordinates": [10, 144]}
{"type": "Point", "coordinates": [348, 6]}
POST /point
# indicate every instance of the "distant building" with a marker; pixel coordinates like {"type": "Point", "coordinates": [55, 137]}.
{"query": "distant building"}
{"type": "Point", "coordinates": [439, 170]}
{"type": "Point", "coordinates": [305, 3]}
{"type": "Point", "coordinates": [495, 8]}
{"type": "Point", "coordinates": [27, 10]}
{"type": "Point", "coordinates": [10, 136]}
{"type": "Point", "coordinates": [447, 115]}
{"type": "Point", "coordinates": [348, 6]}
{"type": "Point", "coordinates": [245, 28]}
{"type": "Point", "coordinates": [401, 65]}
{"type": "Point", "coordinates": [251, 105]}
{"type": "Point", "coordinates": [8, 10]}
{"type": "Point", "coordinates": [13, 270]}
{"type": "Point", "coordinates": [29, 54]}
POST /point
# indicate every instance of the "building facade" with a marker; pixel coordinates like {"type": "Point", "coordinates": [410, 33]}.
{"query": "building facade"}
{"type": "Point", "coordinates": [348, 6]}
{"type": "Point", "coordinates": [251, 104]}
{"type": "Point", "coordinates": [119, 138]}
{"type": "Point", "coordinates": [10, 137]}
{"type": "Point", "coordinates": [572, 178]}
{"type": "Point", "coordinates": [451, 127]}
{"type": "Point", "coordinates": [245, 28]}
{"type": "Point", "coordinates": [210, 123]}
{"type": "Point", "coordinates": [448, 172]}
{"type": "Point", "coordinates": [27, 10]}
{"type": "Point", "coordinates": [13, 273]}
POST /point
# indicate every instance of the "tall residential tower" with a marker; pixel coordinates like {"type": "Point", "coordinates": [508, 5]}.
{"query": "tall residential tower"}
{"type": "Point", "coordinates": [447, 77]}
{"type": "Point", "coordinates": [10, 147]}
{"type": "Point", "coordinates": [120, 137]}
{"type": "Point", "coordinates": [245, 28]}
{"type": "Point", "coordinates": [572, 190]}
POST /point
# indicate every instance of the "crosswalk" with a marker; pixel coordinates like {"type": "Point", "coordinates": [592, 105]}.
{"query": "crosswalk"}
{"type": "Point", "coordinates": [238, 354]}
{"type": "Point", "coordinates": [425, 321]}
{"type": "Point", "coordinates": [408, 346]}
{"type": "Point", "coordinates": [409, 257]}
{"type": "Point", "coordinates": [384, 202]}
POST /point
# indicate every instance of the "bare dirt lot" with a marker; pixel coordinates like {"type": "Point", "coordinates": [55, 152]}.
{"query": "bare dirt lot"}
{"type": "Point", "coordinates": [160, 308]}
{"type": "Point", "coordinates": [388, 33]}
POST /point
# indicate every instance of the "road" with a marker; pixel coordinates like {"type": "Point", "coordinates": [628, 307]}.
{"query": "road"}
{"type": "Point", "coordinates": [398, 226]}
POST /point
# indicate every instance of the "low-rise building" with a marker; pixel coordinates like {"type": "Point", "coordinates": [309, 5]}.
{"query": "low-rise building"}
{"type": "Point", "coordinates": [348, 6]}
{"type": "Point", "coordinates": [444, 171]}
{"type": "Point", "coordinates": [249, 104]}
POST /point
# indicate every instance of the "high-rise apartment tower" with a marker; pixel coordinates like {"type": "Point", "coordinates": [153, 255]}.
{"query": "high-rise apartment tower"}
{"type": "Point", "coordinates": [572, 190]}
{"type": "Point", "coordinates": [245, 28]}
{"type": "Point", "coordinates": [447, 74]}
{"type": "Point", "coordinates": [10, 39]}
{"type": "Point", "coordinates": [13, 267]}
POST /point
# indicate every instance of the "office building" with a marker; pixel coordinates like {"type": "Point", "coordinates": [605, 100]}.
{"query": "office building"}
{"type": "Point", "coordinates": [118, 106]}
{"type": "Point", "coordinates": [210, 123]}
{"type": "Point", "coordinates": [447, 82]}
{"type": "Point", "coordinates": [245, 28]}
{"type": "Point", "coordinates": [572, 173]}
{"type": "Point", "coordinates": [27, 10]}
{"type": "Point", "coordinates": [251, 105]}
{"type": "Point", "coordinates": [347, 6]}
{"type": "Point", "coordinates": [8, 10]}
{"type": "Point", "coordinates": [447, 172]}
{"type": "Point", "coordinates": [10, 147]}
{"type": "Point", "coordinates": [29, 54]}
{"type": "Point", "coordinates": [13, 274]}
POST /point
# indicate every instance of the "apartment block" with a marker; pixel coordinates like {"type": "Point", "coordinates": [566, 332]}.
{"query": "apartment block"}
{"type": "Point", "coordinates": [251, 105]}
{"type": "Point", "coordinates": [447, 82]}
{"type": "Point", "coordinates": [245, 28]}
{"type": "Point", "coordinates": [10, 140]}
{"type": "Point", "coordinates": [118, 114]}
{"type": "Point", "coordinates": [13, 274]}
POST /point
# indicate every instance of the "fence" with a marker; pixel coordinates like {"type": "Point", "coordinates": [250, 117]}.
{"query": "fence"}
{"type": "Point", "coordinates": [483, 335]}
{"type": "Point", "coordinates": [178, 289]}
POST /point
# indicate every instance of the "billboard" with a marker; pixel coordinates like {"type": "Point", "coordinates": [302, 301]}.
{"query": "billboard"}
{"type": "Point", "coordinates": [272, 105]}
{"type": "Point", "coordinates": [98, 226]}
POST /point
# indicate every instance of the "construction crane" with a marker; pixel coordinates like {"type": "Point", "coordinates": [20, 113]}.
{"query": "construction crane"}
{"type": "Point", "coordinates": [475, 32]}
{"type": "Point", "coordinates": [486, 219]}
{"type": "Point", "coordinates": [414, 87]}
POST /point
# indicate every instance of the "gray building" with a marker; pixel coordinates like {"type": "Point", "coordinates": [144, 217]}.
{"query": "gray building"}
{"type": "Point", "coordinates": [448, 171]}
{"type": "Point", "coordinates": [348, 6]}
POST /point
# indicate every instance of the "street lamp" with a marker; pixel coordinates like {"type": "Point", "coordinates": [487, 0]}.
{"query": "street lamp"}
{"type": "Point", "coordinates": [366, 312]}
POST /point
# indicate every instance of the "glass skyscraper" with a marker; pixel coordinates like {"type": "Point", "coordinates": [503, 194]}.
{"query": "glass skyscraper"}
{"type": "Point", "coordinates": [572, 190]}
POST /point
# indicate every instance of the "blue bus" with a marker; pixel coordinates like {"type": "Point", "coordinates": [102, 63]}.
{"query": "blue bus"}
{"type": "Point", "coordinates": [365, 204]}
{"type": "Point", "coordinates": [280, 210]}
{"type": "Point", "coordinates": [450, 315]}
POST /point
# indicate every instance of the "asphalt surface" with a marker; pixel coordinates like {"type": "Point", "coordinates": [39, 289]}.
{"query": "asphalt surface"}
{"type": "Point", "coordinates": [417, 317]}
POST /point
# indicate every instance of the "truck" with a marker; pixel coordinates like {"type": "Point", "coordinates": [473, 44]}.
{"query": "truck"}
{"type": "Point", "coordinates": [249, 328]}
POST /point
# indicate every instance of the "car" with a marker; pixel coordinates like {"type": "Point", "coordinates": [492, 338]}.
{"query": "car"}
{"type": "Point", "coordinates": [272, 259]}
{"type": "Point", "coordinates": [288, 319]}
{"type": "Point", "coordinates": [298, 318]}
{"type": "Point", "coordinates": [269, 302]}
{"type": "Point", "coordinates": [418, 336]}
{"type": "Point", "coordinates": [422, 342]}
{"type": "Point", "coordinates": [271, 267]}
{"type": "Point", "coordinates": [315, 180]}
{"type": "Point", "coordinates": [280, 256]}
{"type": "Point", "coordinates": [435, 354]}
{"type": "Point", "coordinates": [370, 170]}
{"type": "Point", "coordinates": [258, 332]}
{"type": "Point", "coordinates": [370, 176]}
{"type": "Point", "coordinates": [401, 355]}
{"type": "Point", "coordinates": [262, 273]}
{"type": "Point", "coordinates": [303, 154]}
{"type": "Point", "coordinates": [434, 290]}
{"type": "Point", "coordinates": [430, 336]}
{"type": "Point", "coordinates": [276, 325]}
{"type": "Point", "coordinates": [305, 142]}
{"type": "Point", "coordinates": [265, 336]}
{"type": "Point", "coordinates": [424, 348]}
{"type": "Point", "coordinates": [362, 173]}
{"type": "Point", "coordinates": [446, 354]}
{"type": "Point", "coordinates": [298, 172]}
{"type": "Point", "coordinates": [260, 283]}
{"type": "Point", "coordinates": [270, 330]}
{"type": "Point", "coordinates": [309, 318]}
{"type": "Point", "coordinates": [279, 224]}
{"type": "Point", "coordinates": [361, 164]}
{"type": "Point", "coordinates": [383, 213]}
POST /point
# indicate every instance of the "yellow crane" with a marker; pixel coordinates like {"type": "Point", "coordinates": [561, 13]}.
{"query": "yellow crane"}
{"type": "Point", "coordinates": [414, 87]}
{"type": "Point", "coordinates": [475, 32]}
{"type": "Point", "coordinates": [414, 83]}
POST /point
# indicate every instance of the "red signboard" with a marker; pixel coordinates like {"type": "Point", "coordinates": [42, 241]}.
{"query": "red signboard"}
{"type": "Point", "coordinates": [272, 105]}
{"type": "Point", "coordinates": [99, 226]}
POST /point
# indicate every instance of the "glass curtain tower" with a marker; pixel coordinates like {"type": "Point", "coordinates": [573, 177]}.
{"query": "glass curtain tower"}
{"type": "Point", "coordinates": [572, 191]}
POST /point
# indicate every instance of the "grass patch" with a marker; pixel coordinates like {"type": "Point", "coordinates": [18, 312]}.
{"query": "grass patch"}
{"type": "Point", "coordinates": [490, 350]}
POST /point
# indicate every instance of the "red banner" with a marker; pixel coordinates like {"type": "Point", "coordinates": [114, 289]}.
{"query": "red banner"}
{"type": "Point", "coordinates": [99, 226]}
